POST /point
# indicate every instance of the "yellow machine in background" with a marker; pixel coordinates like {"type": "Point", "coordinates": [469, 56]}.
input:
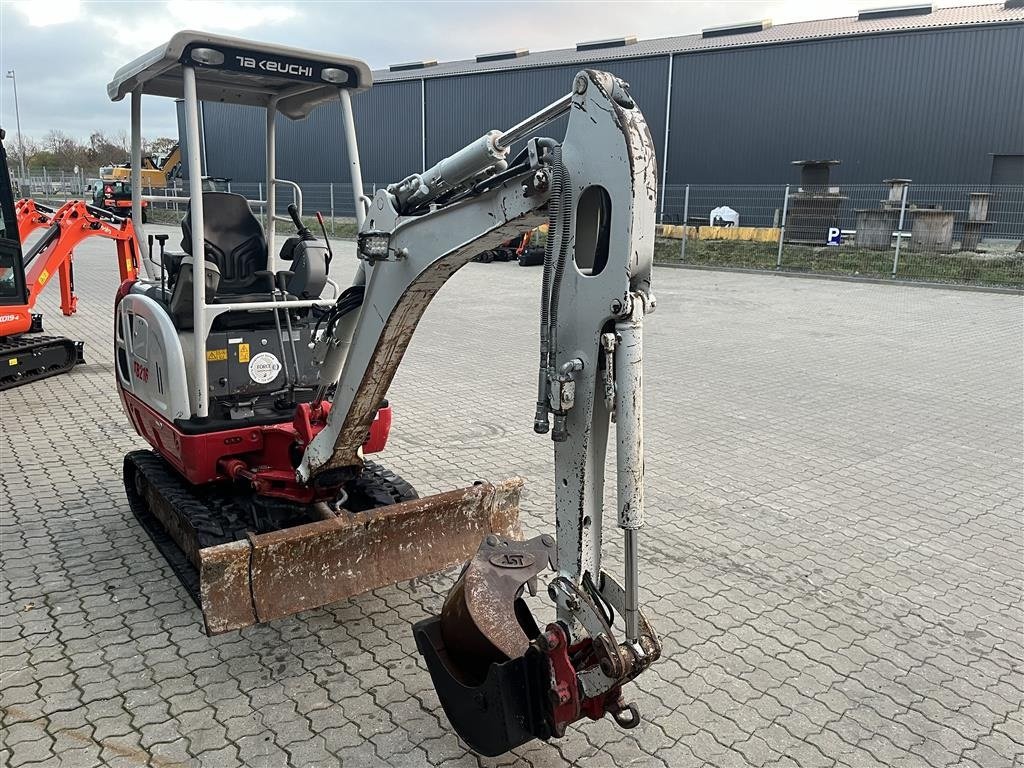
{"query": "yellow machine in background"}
{"type": "Point", "coordinates": [157, 172]}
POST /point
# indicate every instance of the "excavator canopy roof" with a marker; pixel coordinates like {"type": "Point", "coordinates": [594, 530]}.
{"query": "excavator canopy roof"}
{"type": "Point", "coordinates": [236, 71]}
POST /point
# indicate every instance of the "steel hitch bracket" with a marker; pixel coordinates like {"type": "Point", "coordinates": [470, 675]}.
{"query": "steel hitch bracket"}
{"type": "Point", "coordinates": [501, 680]}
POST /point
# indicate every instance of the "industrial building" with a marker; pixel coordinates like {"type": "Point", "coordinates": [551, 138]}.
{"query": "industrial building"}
{"type": "Point", "coordinates": [931, 94]}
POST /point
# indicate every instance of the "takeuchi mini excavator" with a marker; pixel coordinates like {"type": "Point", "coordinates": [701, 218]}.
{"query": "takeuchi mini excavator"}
{"type": "Point", "coordinates": [261, 385]}
{"type": "Point", "coordinates": [25, 354]}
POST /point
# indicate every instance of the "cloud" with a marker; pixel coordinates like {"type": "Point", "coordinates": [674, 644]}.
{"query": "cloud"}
{"type": "Point", "coordinates": [65, 51]}
{"type": "Point", "coordinates": [44, 13]}
{"type": "Point", "coordinates": [239, 16]}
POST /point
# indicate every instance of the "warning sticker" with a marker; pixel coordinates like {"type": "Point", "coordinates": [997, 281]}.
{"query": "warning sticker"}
{"type": "Point", "coordinates": [13, 361]}
{"type": "Point", "coordinates": [44, 276]}
{"type": "Point", "coordinates": [264, 368]}
{"type": "Point", "coordinates": [216, 355]}
{"type": "Point", "coordinates": [243, 353]}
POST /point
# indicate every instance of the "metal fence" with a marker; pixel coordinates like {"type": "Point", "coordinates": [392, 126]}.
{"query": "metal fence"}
{"type": "Point", "coordinates": [969, 234]}
{"type": "Point", "coordinates": [334, 200]}
{"type": "Point", "coordinates": [43, 184]}
{"type": "Point", "coordinates": [955, 233]}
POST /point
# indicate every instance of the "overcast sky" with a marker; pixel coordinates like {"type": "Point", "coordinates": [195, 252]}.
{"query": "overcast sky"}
{"type": "Point", "coordinates": [65, 51]}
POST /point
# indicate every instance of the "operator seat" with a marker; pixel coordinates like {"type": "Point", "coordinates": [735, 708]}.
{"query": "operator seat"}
{"type": "Point", "coordinates": [234, 242]}
{"type": "Point", "coordinates": [236, 263]}
{"type": "Point", "coordinates": [235, 251]}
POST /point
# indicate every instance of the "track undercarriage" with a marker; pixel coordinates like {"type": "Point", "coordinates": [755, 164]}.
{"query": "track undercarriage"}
{"type": "Point", "coordinates": [28, 358]}
{"type": "Point", "coordinates": [246, 560]}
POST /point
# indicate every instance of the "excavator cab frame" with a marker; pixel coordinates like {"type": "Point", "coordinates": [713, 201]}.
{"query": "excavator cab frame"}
{"type": "Point", "coordinates": [197, 66]}
{"type": "Point", "coordinates": [13, 290]}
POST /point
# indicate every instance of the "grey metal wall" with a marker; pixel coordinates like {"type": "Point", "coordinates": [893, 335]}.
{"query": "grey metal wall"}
{"type": "Point", "coordinates": [929, 106]}
{"type": "Point", "coordinates": [459, 109]}
{"type": "Point", "coordinates": [932, 106]}
{"type": "Point", "coordinates": [313, 150]}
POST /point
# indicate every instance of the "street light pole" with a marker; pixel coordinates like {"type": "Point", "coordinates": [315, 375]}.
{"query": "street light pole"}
{"type": "Point", "coordinates": [17, 120]}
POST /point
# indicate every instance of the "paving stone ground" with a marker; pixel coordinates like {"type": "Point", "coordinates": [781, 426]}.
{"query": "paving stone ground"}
{"type": "Point", "coordinates": [833, 556]}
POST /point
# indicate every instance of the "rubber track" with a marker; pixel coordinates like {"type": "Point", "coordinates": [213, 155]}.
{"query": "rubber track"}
{"type": "Point", "coordinates": [202, 521]}
{"type": "Point", "coordinates": [377, 486]}
{"type": "Point", "coordinates": [22, 347]}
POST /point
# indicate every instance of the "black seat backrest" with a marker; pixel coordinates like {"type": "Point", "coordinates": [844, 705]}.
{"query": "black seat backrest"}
{"type": "Point", "coordinates": [234, 241]}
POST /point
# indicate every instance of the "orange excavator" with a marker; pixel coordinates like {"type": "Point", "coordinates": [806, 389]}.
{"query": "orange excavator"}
{"type": "Point", "coordinates": [25, 354]}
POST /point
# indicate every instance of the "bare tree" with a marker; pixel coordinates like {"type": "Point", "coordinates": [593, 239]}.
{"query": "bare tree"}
{"type": "Point", "coordinates": [59, 151]}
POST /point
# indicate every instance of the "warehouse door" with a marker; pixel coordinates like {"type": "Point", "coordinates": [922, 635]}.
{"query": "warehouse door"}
{"type": "Point", "coordinates": [1007, 169]}
{"type": "Point", "coordinates": [1006, 210]}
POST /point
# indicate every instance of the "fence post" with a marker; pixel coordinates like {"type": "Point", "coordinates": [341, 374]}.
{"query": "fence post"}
{"type": "Point", "coordinates": [332, 207]}
{"type": "Point", "coordinates": [782, 228]}
{"type": "Point", "coordinates": [686, 229]}
{"type": "Point", "coordinates": [899, 230]}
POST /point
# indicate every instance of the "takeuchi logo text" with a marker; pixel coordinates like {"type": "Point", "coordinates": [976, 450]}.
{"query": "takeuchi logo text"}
{"type": "Point", "coordinates": [271, 65]}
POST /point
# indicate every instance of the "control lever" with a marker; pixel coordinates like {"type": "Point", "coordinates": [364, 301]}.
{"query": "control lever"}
{"type": "Point", "coordinates": [161, 240]}
{"type": "Point", "coordinates": [269, 276]}
{"type": "Point", "coordinates": [300, 229]}
{"type": "Point", "coordinates": [283, 278]}
{"type": "Point", "coordinates": [323, 228]}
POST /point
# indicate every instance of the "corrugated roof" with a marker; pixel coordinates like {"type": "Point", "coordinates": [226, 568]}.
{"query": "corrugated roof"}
{"type": "Point", "coordinates": [848, 26]}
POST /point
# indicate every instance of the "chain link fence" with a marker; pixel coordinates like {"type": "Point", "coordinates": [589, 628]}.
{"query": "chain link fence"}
{"type": "Point", "coordinates": [967, 234]}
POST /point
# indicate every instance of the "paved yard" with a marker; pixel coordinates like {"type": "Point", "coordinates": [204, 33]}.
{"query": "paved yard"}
{"type": "Point", "coordinates": [833, 556]}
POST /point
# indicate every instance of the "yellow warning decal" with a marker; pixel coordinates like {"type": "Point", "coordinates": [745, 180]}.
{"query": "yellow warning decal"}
{"type": "Point", "coordinates": [13, 361]}
{"type": "Point", "coordinates": [216, 355]}
{"type": "Point", "coordinates": [44, 276]}
{"type": "Point", "coordinates": [243, 353]}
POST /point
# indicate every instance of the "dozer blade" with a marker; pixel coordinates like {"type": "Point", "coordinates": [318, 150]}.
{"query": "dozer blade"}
{"type": "Point", "coordinates": [263, 577]}
{"type": "Point", "coordinates": [277, 574]}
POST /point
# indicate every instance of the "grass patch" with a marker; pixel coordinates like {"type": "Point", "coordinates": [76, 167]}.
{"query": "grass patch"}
{"type": "Point", "coordinates": [965, 268]}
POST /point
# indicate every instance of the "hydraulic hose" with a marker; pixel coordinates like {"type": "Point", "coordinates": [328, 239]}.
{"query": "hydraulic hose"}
{"type": "Point", "coordinates": [540, 420]}
{"type": "Point", "coordinates": [560, 255]}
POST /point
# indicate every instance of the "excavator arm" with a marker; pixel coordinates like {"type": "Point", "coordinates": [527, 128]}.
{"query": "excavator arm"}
{"type": "Point", "coordinates": [501, 678]}
{"type": "Point", "coordinates": [31, 216]}
{"type": "Point", "coordinates": [68, 226]}
{"type": "Point", "coordinates": [28, 358]}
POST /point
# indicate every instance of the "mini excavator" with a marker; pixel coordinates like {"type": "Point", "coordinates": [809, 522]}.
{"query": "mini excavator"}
{"type": "Point", "coordinates": [25, 354]}
{"type": "Point", "coordinates": [261, 385]}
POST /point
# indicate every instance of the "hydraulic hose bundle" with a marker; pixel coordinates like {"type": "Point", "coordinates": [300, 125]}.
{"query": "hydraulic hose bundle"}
{"type": "Point", "coordinates": [555, 249]}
